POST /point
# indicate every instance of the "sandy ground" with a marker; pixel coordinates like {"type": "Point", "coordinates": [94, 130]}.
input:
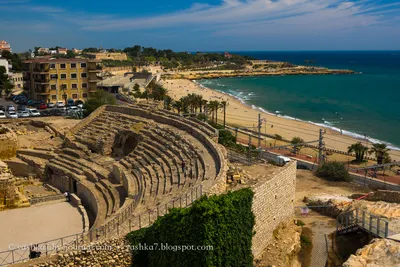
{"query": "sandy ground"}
{"type": "Point", "coordinates": [38, 224]}
{"type": "Point", "coordinates": [242, 115]}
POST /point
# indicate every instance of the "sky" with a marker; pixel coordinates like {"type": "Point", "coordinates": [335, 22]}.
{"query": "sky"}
{"type": "Point", "coordinates": [203, 25]}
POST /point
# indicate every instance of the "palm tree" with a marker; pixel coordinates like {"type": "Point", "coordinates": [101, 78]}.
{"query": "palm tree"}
{"type": "Point", "coordinates": [359, 149]}
{"type": "Point", "coordinates": [178, 105]}
{"type": "Point", "coordinates": [296, 142]}
{"type": "Point", "coordinates": [203, 103]}
{"type": "Point", "coordinates": [214, 106]}
{"type": "Point", "coordinates": [167, 102]}
{"type": "Point", "coordinates": [224, 104]}
{"type": "Point", "coordinates": [380, 151]}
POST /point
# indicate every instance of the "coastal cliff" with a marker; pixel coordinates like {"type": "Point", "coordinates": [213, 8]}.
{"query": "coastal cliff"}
{"type": "Point", "coordinates": [209, 74]}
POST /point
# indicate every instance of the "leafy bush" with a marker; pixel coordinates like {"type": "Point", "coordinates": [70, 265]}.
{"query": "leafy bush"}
{"type": "Point", "coordinates": [305, 240]}
{"type": "Point", "coordinates": [223, 222]}
{"type": "Point", "coordinates": [300, 223]}
{"type": "Point", "coordinates": [100, 98]}
{"type": "Point", "coordinates": [335, 171]}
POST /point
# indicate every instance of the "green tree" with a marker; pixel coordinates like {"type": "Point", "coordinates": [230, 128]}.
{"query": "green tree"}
{"type": "Point", "coordinates": [335, 171]}
{"type": "Point", "coordinates": [380, 151]}
{"type": "Point", "coordinates": [6, 85]}
{"type": "Point", "coordinates": [297, 144]}
{"type": "Point", "coordinates": [70, 54]}
{"type": "Point", "coordinates": [136, 87]}
{"type": "Point", "coordinates": [99, 99]}
{"type": "Point", "coordinates": [178, 105]}
{"type": "Point", "coordinates": [359, 149]}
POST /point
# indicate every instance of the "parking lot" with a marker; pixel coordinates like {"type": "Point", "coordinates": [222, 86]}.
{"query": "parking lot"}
{"type": "Point", "coordinates": [43, 112]}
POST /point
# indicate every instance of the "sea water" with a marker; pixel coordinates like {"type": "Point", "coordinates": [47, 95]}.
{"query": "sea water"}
{"type": "Point", "coordinates": [364, 104]}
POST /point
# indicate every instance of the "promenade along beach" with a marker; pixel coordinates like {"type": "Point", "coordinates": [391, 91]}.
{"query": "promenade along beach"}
{"type": "Point", "coordinates": [241, 112]}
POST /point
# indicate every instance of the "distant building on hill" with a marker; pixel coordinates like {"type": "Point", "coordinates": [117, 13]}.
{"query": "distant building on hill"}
{"type": "Point", "coordinates": [4, 46]}
{"type": "Point", "coordinates": [43, 51]}
{"type": "Point", "coordinates": [111, 56]}
{"type": "Point", "coordinates": [62, 51]}
{"type": "Point", "coordinates": [227, 55]}
{"type": "Point", "coordinates": [77, 51]}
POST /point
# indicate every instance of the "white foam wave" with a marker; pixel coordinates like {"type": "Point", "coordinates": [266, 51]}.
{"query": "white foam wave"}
{"type": "Point", "coordinates": [326, 124]}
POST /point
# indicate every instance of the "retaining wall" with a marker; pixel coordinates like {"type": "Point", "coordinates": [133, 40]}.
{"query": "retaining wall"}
{"type": "Point", "coordinates": [273, 204]}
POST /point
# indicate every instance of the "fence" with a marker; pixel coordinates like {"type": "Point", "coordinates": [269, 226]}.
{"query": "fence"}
{"type": "Point", "coordinates": [123, 223]}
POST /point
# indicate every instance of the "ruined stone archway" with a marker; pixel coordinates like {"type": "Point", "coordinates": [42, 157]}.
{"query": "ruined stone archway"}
{"type": "Point", "coordinates": [125, 143]}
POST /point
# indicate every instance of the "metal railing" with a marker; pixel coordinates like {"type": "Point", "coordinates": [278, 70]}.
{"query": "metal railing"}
{"type": "Point", "coordinates": [362, 219]}
{"type": "Point", "coordinates": [123, 223]}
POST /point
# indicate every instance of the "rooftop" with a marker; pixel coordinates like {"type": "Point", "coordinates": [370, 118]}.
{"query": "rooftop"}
{"type": "Point", "coordinates": [59, 60]}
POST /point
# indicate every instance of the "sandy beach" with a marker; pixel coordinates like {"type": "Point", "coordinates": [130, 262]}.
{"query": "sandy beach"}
{"type": "Point", "coordinates": [240, 114]}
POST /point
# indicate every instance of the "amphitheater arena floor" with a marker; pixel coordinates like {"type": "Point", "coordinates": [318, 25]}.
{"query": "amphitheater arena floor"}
{"type": "Point", "coordinates": [38, 224]}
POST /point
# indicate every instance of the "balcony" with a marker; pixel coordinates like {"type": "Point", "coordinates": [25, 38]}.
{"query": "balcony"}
{"type": "Point", "coordinates": [43, 80]}
{"type": "Point", "coordinates": [42, 68]}
{"type": "Point", "coordinates": [42, 90]}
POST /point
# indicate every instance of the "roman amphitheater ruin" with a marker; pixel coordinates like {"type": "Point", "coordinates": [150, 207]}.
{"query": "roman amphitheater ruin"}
{"type": "Point", "coordinates": [125, 166]}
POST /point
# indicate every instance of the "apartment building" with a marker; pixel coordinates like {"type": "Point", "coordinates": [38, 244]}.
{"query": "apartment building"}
{"type": "Point", "coordinates": [5, 46]}
{"type": "Point", "coordinates": [60, 79]}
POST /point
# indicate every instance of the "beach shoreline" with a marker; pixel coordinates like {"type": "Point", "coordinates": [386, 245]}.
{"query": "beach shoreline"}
{"type": "Point", "coordinates": [242, 114]}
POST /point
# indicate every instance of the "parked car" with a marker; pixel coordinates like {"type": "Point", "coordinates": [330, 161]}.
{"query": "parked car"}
{"type": "Point", "coordinates": [10, 108]}
{"type": "Point", "coordinates": [3, 108]}
{"type": "Point", "coordinates": [79, 103]}
{"type": "Point", "coordinates": [34, 112]}
{"type": "Point", "coordinates": [60, 104]}
{"type": "Point", "coordinates": [2, 115]}
{"type": "Point", "coordinates": [23, 114]}
{"type": "Point", "coordinates": [31, 103]}
{"type": "Point", "coordinates": [42, 106]}
{"type": "Point", "coordinates": [12, 115]}
{"type": "Point", "coordinates": [51, 105]}
{"type": "Point", "coordinates": [21, 108]}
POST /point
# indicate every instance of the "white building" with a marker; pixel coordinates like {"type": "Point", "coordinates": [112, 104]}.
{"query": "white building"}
{"type": "Point", "coordinates": [4, 62]}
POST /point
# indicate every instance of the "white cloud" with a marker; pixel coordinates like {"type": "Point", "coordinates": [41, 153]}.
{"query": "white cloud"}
{"type": "Point", "coordinates": [325, 13]}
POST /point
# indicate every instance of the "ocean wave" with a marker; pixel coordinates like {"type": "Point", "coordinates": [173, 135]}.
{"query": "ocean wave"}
{"type": "Point", "coordinates": [328, 125]}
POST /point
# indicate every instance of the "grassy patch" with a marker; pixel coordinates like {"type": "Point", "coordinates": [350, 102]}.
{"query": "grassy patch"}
{"type": "Point", "coordinates": [306, 246]}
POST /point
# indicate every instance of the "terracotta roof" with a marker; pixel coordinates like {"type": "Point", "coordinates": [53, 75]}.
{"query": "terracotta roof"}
{"type": "Point", "coordinates": [58, 60]}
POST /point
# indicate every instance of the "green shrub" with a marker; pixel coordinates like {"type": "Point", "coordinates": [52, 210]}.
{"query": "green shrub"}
{"type": "Point", "coordinates": [305, 240]}
{"type": "Point", "coordinates": [223, 222]}
{"type": "Point", "coordinates": [335, 171]}
{"type": "Point", "coordinates": [300, 223]}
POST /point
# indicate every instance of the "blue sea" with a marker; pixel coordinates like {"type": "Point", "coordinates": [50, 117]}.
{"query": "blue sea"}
{"type": "Point", "coordinates": [365, 104]}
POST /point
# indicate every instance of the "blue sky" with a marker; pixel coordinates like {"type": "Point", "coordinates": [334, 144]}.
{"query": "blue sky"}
{"type": "Point", "coordinates": [207, 25]}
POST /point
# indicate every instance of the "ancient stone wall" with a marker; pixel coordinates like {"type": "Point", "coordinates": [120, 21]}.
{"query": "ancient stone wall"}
{"type": "Point", "coordinates": [273, 204]}
{"type": "Point", "coordinates": [88, 201]}
{"type": "Point", "coordinates": [382, 195]}
{"type": "Point", "coordinates": [8, 143]}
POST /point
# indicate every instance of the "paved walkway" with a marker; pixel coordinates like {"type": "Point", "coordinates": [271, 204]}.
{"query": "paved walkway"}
{"type": "Point", "coordinates": [319, 254]}
{"type": "Point", "coordinates": [38, 224]}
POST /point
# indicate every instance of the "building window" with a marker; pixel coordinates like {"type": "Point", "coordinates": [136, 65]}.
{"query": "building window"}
{"type": "Point", "coordinates": [83, 75]}
{"type": "Point", "coordinates": [54, 97]}
{"type": "Point", "coordinates": [63, 66]}
{"type": "Point", "coordinates": [53, 87]}
{"type": "Point", "coordinates": [64, 87]}
{"type": "Point", "coordinates": [84, 85]}
{"type": "Point", "coordinates": [53, 76]}
{"type": "Point", "coordinates": [74, 86]}
{"type": "Point", "coordinates": [73, 65]}
{"type": "Point", "coordinates": [52, 66]}
{"type": "Point", "coordinates": [84, 95]}
{"type": "Point", "coordinates": [63, 76]}
{"type": "Point", "coordinates": [83, 65]}
{"type": "Point", "coordinates": [73, 76]}
{"type": "Point", "coordinates": [19, 86]}
{"type": "Point", "coordinates": [74, 96]}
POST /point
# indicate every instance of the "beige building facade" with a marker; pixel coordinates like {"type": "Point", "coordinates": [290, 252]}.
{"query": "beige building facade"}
{"type": "Point", "coordinates": [60, 79]}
